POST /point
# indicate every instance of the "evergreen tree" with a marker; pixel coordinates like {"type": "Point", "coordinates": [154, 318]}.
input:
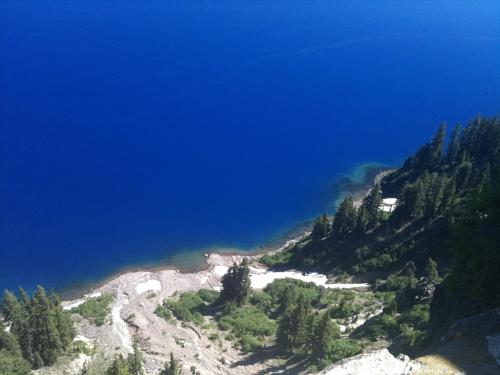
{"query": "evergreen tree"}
{"type": "Point", "coordinates": [18, 315]}
{"type": "Point", "coordinates": [63, 321]}
{"type": "Point", "coordinates": [296, 327]}
{"type": "Point", "coordinates": [135, 360]}
{"type": "Point", "coordinates": [372, 203]}
{"type": "Point", "coordinates": [320, 228]}
{"type": "Point", "coordinates": [46, 338]}
{"type": "Point", "coordinates": [236, 283]}
{"type": "Point", "coordinates": [11, 360]}
{"type": "Point", "coordinates": [171, 368]}
{"type": "Point", "coordinates": [344, 220]}
{"type": "Point", "coordinates": [431, 270]}
{"type": "Point", "coordinates": [454, 145]}
{"type": "Point", "coordinates": [325, 332]}
{"type": "Point", "coordinates": [362, 220]}
{"type": "Point", "coordinates": [437, 144]}
{"type": "Point", "coordinates": [119, 366]}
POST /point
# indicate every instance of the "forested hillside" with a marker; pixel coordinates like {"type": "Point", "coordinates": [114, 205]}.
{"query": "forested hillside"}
{"type": "Point", "coordinates": [443, 234]}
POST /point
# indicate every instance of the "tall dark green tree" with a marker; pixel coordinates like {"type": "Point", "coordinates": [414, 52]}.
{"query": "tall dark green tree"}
{"type": "Point", "coordinates": [454, 145]}
{"type": "Point", "coordinates": [431, 272]}
{"type": "Point", "coordinates": [325, 332]}
{"type": "Point", "coordinates": [172, 367]}
{"type": "Point", "coordinates": [11, 359]}
{"type": "Point", "coordinates": [320, 228]}
{"type": "Point", "coordinates": [236, 283]}
{"type": "Point", "coordinates": [135, 360]}
{"type": "Point", "coordinates": [119, 366]}
{"type": "Point", "coordinates": [46, 338]}
{"type": "Point", "coordinates": [372, 203]}
{"type": "Point", "coordinates": [344, 220]}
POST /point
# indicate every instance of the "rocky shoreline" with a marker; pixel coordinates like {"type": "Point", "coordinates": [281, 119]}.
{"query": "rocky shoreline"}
{"type": "Point", "coordinates": [137, 293]}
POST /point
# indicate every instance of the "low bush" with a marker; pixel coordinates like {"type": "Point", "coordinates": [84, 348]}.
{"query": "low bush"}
{"type": "Point", "coordinates": [247, 321]}
{"type": "Point", "coordinates": [340, 349]}
{"type": "Point", "coordinates": [187, 307]}
{"type": "Point", "coordinates": [95, 309]}
{"type": "Point", "coordinates": [208, 295]}
{"type": "Point", "coordinates": [396, 283]}
{"type": "Point", "coordinates": [250, 343]}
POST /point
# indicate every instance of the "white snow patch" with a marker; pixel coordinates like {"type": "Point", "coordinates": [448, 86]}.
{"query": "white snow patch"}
{"type": "Point", "coordinates": [220, 270]}
{"type": "Point", "coordinates": [147, 286]}
{"type": "Point", "coordinates": [260, 278]}
{"type": "Point", "coordinates": [494, 347]}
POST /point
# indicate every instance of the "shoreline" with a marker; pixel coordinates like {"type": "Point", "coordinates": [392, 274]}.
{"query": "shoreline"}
{"type": "Point", "coordinates": [347, 185]}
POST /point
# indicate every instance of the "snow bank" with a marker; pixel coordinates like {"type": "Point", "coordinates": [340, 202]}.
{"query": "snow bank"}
{"type": "Point", "coordinates": [260, 278]}
{"type": "Point", "coordinates": [220, 270]}
{"type": "Point", "coordinates": [147, 286]}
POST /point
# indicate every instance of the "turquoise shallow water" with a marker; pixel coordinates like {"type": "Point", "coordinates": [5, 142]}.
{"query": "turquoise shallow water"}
{"type": "Point", "coordinates": [136, 130]}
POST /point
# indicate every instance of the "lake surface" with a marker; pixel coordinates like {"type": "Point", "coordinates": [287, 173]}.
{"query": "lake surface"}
{"type": "Point", "coordinates": [132, 130]}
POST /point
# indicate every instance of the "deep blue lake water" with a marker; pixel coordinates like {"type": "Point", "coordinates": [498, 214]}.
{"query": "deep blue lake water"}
{"type": "Point", "coordinates": [135, 129]}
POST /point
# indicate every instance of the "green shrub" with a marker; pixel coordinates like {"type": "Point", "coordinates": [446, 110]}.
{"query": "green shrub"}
{"type": "Point", "coordinates": [250, 343]}
{"type": "Point", "coordinates": [395, 283]}
{"type": "Point", "coordinates": [279, 258]}
{"type": "Point", "coordinates": [95, 309]}
{"type": "Point", "coordinates": [262, 300]}
{"type": "Point", "coordinates": [247, 321]}
{"type": "Point", "coordinates": [80, 346]}
{"type": "Point", "coordinates": [208, 295]}
{"type": "Point", "coordinates": [340, 349]}
{"type": "Point", "coordinates": [162, 312]}
{"type": "Point", "coordinates": [345, 309]}
{"type": "Point", "coordinates": [186, 308]}
{"type": "Point", "coordinates": [383, 325]}
{"type": "Point", "coordinates": [417, 316]}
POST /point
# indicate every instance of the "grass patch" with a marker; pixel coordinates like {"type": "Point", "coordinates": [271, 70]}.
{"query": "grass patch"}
{"type": "Point", "coordinates": [95, 309]}
{"type": "Point", "coordinates": [188, 306]}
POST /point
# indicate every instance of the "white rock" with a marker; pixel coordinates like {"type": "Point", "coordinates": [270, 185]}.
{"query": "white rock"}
{"type": "Point", "coordinates": [380, 362]}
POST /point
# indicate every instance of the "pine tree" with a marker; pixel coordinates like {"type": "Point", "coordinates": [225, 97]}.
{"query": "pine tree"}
{"type": "Point", "coordinates": [372, 203]}
{"type": "Point", "coordinates": [135, 360]}
{"type": "Point", "coordinates": [362, 220]}
{"type": "Point", "coordinates": [320, 228]}
{"type": "Point", "coordinates": [453, 145]}
{"type": "Point", "coordinates": [171, 368]}
{"type": "Point", "coordinates": [236, 283]}
{"type": "Point", "coordinates": [11, 360]}
{"type": "Point", "coordinates": [325, 332]}
{"type": "Point", "coordinates": [431, 270]}
{"type": "Point", "coordinates": [18, 315]}
{"type": "Point", "coordinates": [63, 321]}
{"type": "Point", "coordinates": [344, 220]}
{"type": "Point", "coordinates": [46, 339]}
{"type": "Point", "coordinates": [299, 326]}
{"type": "Point", "coordinates": [437, 144]}
{"type": "Point", "coordinates": [119, 366]}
